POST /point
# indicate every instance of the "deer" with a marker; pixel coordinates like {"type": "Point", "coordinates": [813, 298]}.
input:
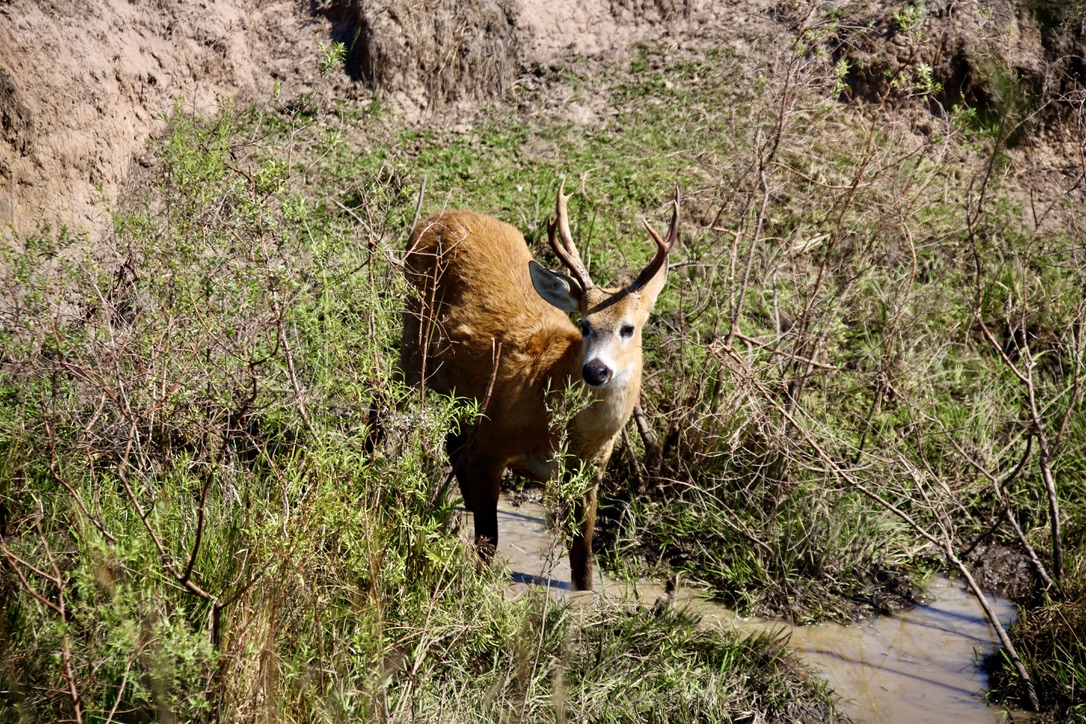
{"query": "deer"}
{"type": "Point", "coordinates": [487, 322]}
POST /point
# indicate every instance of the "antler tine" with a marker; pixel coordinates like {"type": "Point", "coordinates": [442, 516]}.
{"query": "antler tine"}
{"type": "Point", "coordinates": [564, 248]}
{"type": "Point", "coordinates": [663, 248]}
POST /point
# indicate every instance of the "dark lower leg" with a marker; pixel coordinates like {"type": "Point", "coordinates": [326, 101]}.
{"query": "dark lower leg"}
{"type": "Point", "coordinates": [486, 528]}
{"type": "Point", "coordinates": [481, 489]}
{"type": "Point", "coordinates": [580, 548]}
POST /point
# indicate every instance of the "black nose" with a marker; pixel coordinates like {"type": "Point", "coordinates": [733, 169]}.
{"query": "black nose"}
{"type": "Point", "coordinates": [595, 373]}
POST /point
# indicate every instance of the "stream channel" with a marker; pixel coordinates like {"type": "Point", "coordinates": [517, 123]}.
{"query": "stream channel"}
{"type": "Point", "coordinates": [918, 665]}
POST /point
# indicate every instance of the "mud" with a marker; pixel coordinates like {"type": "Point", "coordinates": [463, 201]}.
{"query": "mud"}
{"type": "Point", "coordinates": [916, 665]}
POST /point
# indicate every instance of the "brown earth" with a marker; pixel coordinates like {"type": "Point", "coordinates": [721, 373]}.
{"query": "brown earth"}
{"type": "Point", "coordinates": [968, 51]}
{"type": "Point", "coordinates": [84, 86]}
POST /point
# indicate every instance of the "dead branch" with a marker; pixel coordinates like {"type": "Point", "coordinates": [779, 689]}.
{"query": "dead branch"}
{"type": "Point", "coordinates": [945, 544]}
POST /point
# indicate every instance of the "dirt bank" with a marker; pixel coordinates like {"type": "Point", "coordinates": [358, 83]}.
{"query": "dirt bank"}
{"type": "Point", "coordinates": [83, 86]}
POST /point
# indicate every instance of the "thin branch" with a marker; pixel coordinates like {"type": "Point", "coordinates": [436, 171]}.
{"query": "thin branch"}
{"type": "Point", "coordinates": [200, 509]}
{"type": "Point", "coordinates": [999, 486]}
{"type": "Point", "coordinates": [788, 355]}
{"type": "Point", "coordinates": [945, 544]}
{"type": "Point", "coordinates": [55, 473]}
{"type": "Point", "coordinates": [648, 437]}
{"type": "Point", "coordinates": [65, 642]}
{"type": "Point", "coordinates": [188, 584]}
{"type": "Point", "coordinates": [291, 371]}
{"type": "Point", "coordinates": [418, 203]}
{"type": "Point", "coordinates": [120, 693]}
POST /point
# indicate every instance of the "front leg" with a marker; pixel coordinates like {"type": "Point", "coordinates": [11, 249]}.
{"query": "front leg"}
{"type": "Point", "coordinates": [584, 512]}
{"type": "Point", "coordinates": [580, 549]}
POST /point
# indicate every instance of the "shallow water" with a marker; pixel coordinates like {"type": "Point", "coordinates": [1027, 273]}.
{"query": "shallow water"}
{"type": "Point", "coordinates": [917, 665]}
{"type": "Point", "coordinates": [914, 666]}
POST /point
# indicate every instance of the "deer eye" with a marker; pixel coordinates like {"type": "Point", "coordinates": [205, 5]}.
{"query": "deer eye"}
{"type": "Point", "coordinates": [626, 331]}
{"type": "Point", "coordinates": [586, 328]}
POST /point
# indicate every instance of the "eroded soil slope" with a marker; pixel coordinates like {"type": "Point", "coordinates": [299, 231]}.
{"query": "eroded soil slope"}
{"type": "Point", "coordinates": [83, 86]}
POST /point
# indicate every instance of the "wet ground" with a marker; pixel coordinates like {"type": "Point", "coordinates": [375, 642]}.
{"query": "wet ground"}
{"type": "Point", "coordinates": [918, 665]}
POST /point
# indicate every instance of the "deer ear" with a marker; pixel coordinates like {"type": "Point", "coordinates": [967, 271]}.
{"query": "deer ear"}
{"type": "Point", "coordinates": [654, 286]}
{"type": "Point", "coordinates": [558, 290]}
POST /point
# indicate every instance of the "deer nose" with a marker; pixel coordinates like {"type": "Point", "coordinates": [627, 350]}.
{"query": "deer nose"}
{"type": "Point", "coordinates": [596, 373]}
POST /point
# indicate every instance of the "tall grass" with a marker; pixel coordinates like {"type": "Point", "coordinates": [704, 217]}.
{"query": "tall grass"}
{"type": "Point", "coordinates": [201, 520]}
{"type": "Point", "coordinates": [831, 403]}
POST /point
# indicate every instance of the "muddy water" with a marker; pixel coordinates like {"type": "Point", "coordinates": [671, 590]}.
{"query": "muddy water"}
{"type": "Point", "coordinates": [914, 666]}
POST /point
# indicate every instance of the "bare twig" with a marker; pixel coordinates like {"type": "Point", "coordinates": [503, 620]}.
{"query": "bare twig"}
{"type": "Point", "coordinates": [998, 487]}
{"type": "Point", "coordinates": [164, 555]}
{"type": "Point", "coordinates": [120, 692]}
{"type": "Point", "coordinates": [945, 544]}
{"type": "Point", "coordinates": [634, 462]}
{"type": "Point", "coordinates": [291, 371]}
{"type": "Point", "coordinates": [781, 353]}
{"type": "Point", "coordinates": [58, 606]}
{"type": "Point", "coordinates": [648, 437]}
{"type": "Point", "coordinates": [418, 204]}
{"type": "Point", "coordinates": [1025, 377]}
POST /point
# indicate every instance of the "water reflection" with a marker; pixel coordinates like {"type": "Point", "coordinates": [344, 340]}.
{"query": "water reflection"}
{"type": "Point", "coordinates": [914, 666]}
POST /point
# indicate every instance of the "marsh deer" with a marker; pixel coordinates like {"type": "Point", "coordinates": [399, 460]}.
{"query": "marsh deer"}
{"type": "Point", "coordinates": [488, 322]}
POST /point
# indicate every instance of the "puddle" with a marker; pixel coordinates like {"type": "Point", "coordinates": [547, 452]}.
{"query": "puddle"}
{"type": "Point", "coordinates": [914, 666]}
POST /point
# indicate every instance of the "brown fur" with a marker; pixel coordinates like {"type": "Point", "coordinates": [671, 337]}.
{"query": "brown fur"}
{"type": "Point", "coordinates": [476, 323]}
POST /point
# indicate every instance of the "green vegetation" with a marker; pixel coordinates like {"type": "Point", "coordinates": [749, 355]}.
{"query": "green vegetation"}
{"type": "Point", "coordinates": [869, 362]}
{"type": "Point", "coordinates": [1050, 639]}
{"type": "Point", "coordinates": [200, 520]}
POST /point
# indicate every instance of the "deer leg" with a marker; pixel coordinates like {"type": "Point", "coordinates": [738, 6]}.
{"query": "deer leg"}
{"type": "Point", "coordinates": [480, 484]}
{"type": "Point", "coordinates": [580, 548]}
{"type": "Point", "coordinates": [486, 527]}
{"type": "Point", "coordinates": [481, 489]}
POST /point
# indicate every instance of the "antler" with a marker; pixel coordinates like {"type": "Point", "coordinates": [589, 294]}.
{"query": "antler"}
{"type": "Point", "coordinates": [565, 248]}
{"type": "Point", "coordinates": [662, 248]}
